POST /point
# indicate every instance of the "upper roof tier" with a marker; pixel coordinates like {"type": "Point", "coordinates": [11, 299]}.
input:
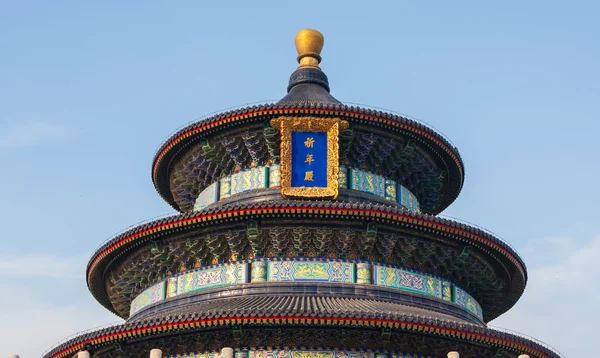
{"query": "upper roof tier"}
{"type": "Point", "coordinates": [394, 147]}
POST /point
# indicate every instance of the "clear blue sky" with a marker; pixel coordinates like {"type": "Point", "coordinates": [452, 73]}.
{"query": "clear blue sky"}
{"type": "Point", "coordinates": [88, 91]}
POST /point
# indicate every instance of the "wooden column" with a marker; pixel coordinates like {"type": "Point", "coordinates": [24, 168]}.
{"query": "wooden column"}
{"type": "Point", "coordinates": [226, 352]}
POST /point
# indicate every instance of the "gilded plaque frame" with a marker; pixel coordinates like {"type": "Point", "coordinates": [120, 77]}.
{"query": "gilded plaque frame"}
{"type": "Point", "coordinates": [331, 126]}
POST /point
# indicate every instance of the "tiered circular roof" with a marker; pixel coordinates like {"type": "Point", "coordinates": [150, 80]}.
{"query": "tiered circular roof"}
{"type": "Point", "coordinates": [198, 278]}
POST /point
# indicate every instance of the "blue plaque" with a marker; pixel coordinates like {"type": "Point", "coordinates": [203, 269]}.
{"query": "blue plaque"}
{"type": "Point", "coordinates": [309, 159]}
{"type": "Point", "coordinates": [309, 163]}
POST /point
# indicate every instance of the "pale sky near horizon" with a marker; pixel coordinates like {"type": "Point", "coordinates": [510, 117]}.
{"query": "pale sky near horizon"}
{"type": "Point", "coordinates": [89, 90]}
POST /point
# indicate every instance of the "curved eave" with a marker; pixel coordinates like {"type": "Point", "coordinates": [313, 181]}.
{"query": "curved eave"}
{"type": "Point", "coordinates": [192, 133]}
{"type": "Point", "coordinates": [195, 322]}
{"type": "Point", "coordinates": [122, 244]}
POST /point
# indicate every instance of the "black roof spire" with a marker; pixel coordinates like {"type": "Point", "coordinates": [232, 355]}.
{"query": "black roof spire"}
{"type": "Point", "coordinates": [308, 84]}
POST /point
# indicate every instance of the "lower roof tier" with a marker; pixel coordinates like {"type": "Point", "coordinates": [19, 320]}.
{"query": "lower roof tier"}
{"type": "Point", "coordinates": [398, 148]}
{"type": "Point", "coordinates": [484, 266]}
{"type": "Point", "coordinates": [367, 326]}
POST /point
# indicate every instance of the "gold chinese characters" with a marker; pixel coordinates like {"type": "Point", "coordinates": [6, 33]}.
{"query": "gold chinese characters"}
{"type": "Point", "coordinates": [308, 176]}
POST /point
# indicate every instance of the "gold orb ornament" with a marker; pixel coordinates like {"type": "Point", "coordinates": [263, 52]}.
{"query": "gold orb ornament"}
{"type": "Point", "coordinates": [309, 44]}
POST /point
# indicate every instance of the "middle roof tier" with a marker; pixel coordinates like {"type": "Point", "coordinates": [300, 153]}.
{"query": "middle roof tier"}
{"type": "Point", "coordinates": [475, 261]}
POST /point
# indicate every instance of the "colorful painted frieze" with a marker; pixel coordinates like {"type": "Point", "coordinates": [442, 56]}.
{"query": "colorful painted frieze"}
{"type": "Point", "coordinates": [225, 188]}
{"type": "Point", "coordinates": [310, 271]}
{"type": "Point", "coordinates": [149, 296]}
{"type": "Point", "coordinates": [343, 177]}
{"type": "Point", "coordinates": [171, 287]}
{"type": "Point", "coordinates": [363, 273]}
{"type": "Point", "coordinates": [197, 355]}
{"type": "Point", "coordinates": [274, 176]}
{"type": "Point", "coordinates": [406, 280]}
{"type": "Point", "coordinates": [446, 291]}
{"type": "Point", "coordinates": [270, 177]}
{"type": "Point", "coordinates": [433, 286]}
{"type": "Point", "coordinates": [207, 197]}
{"type": "Point", "coordinates": [462, 298]}
{"type": "Point", "coordinates": [308, 354]}
{"type": "Point", "coordinates": [367, 182]}
{"type": "Point", "coordinates": [255, 178]}
{"type": "Point", "coordinates": [212, 277]}
{"type": "Point", "coordinates": [319, 271]}
{"type": "Point", "coordinates": [258, 271]}
{"type": "Point", "coordinates": [312, 354]}
{"type": "Point", "coordinates": [390, 190]}
{"type": "Point", "coordinates": [408, 199]}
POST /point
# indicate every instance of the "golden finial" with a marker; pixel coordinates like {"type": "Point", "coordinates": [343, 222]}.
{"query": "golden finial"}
{"type": "Point", "coordinates": [309, 44]}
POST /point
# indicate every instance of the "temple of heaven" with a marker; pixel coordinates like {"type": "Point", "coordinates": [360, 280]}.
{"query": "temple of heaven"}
{"type": "Point", "coordinates": [306, 228]}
